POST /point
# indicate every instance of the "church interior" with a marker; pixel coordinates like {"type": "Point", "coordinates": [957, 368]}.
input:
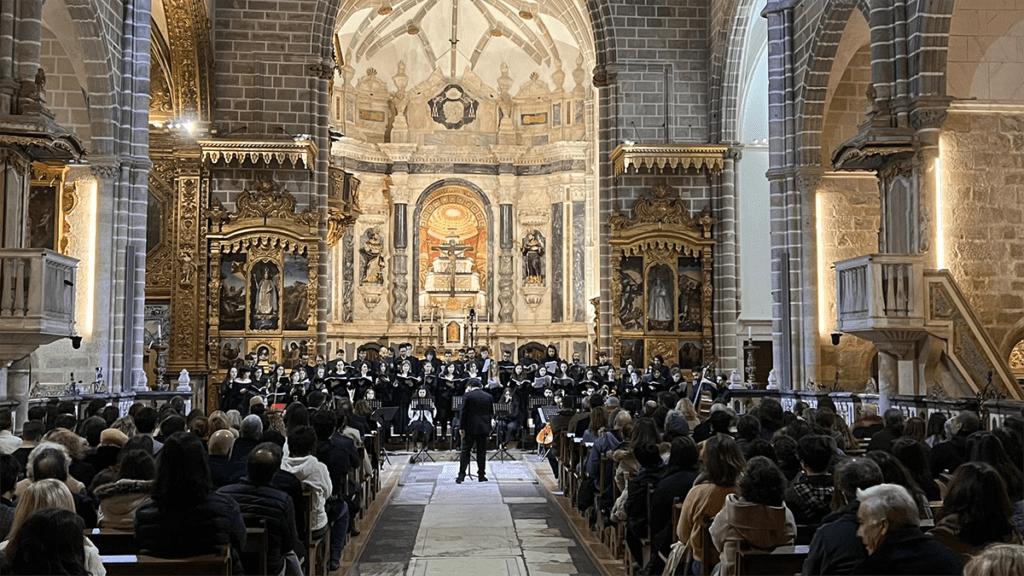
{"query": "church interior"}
{"type": "Point", "coordinates": [706, 181]}
{"type": "Point", "coordinates": [805, 199]}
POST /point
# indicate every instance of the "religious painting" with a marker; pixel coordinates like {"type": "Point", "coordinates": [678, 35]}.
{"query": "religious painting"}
{"type": "Point", "coordinates": [231, 353]}
{"type": "Point", "coordinates": [265, 351]}
{"type": "Point", "coordinates": [631, 349]}
{"type": "Point", "coordinates": [689, 298]}
{"type": "Point", "coordinates": [452, 333]}
{"type": "Point", "coordinates": [660, 308]}
{"type": "Point", "coordinates": [691, 354]}
{"type": "Point", "coordinates": [265, 300]}
{"type": "Point", "coordinates": [42, 217]}
{"type": "Point", "coordinates": [295, 299]}
{"type": "Point", "coordinates": [154, 222]}
{"type": "Point", "coordinates": [232, 292]}
{"type": "Point", "coordinates": [292, 351]}
{"type": "Point", "coordinates": [631, 280]}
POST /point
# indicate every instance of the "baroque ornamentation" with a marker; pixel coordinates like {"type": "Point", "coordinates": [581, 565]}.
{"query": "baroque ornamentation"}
{"type": "Point", "coordinates": [660, 209]}
{"type": "Point", "coordinates": [506, 307]}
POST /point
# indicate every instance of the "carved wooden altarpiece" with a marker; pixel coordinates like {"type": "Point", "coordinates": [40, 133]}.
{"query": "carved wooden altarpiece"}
{"type": "Point", "coordinates": [263, 280]}
{"type": "Point", "coordinates": [662, 260]}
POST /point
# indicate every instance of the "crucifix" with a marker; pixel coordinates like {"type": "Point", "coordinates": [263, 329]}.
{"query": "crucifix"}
{"type": "Point", "coordinates": [453, 250]}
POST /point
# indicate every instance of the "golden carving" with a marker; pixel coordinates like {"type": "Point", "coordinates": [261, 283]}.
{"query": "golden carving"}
{"type": "Point", "coordinates": [706, 158]}
{"type": "Point", "coordinates": [188, 33]}
{"type": "Point", "coordinates": [662, 210]}
{"type": "Point", "coordinates": [68, 203]}
{"type": "Point", "coordinates": [266, 151]}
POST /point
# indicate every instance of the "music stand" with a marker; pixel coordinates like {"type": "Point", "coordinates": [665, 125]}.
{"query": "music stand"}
{"type": "Point", "coordinates": [500, 409]}
{"type": "Point", "coordinates": [384, 416]}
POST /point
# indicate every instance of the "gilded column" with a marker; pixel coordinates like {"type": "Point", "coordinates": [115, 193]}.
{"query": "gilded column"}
{"type": "Point", "coordinates": [188, 284]}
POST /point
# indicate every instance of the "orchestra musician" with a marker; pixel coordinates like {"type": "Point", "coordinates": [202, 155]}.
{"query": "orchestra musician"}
{"type": "Point", "coordinates": [421, 419]}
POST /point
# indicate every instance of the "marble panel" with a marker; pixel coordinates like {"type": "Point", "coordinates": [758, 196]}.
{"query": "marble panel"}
{"type": "Point", "coordinates": [525, 532]}
{"type": "Point", "coordinates": [483, 515]}
{"type": "Point", "coordinates": [525, 500]}
{"type": "Point", "coordinates": [557, 272]}
{"type": "Point", "coordinates": [547, 555]}
{"type": "Point", "coordinates": [380, 569]}
{"type": "Point", "coordinates": [475, 566]}
{"type": "Point", "coordinates": [466, 542]}
{"type": "Point", "coordinates": [543, 569]}
{"type": "Point", "coordinates": [477, 493]}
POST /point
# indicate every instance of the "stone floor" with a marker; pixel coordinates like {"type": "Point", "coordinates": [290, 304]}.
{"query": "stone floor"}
{"type": "Point", "coordinates": [504, 527]}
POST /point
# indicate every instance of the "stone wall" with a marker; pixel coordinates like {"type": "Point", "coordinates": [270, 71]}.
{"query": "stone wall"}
{"type": "Point", "coordinates": [63, 89]}
{"type": "Point", "coordinates": [848, 104]}
{"type": "Point", "coordinates": [848, 219]}
{"type": "Point", "coordinates": [983, 187]}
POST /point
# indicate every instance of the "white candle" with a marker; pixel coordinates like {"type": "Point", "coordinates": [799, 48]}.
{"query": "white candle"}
{"type": "Point", "coordinates": [750, 333]}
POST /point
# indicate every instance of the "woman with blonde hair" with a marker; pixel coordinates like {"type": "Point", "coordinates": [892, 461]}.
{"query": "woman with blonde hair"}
{"type": "Point", "coordinates": [685, 405]}
{"type": "Point", "coordinates": [51, 493]}
{"type": "Point", "coordinates": [997, 560]}
{"type": "Point", "coordinates": [218, 420]}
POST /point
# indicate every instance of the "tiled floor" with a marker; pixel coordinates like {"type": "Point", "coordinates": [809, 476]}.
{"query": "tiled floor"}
{"type": "Point", "coordinates": [504, 527]}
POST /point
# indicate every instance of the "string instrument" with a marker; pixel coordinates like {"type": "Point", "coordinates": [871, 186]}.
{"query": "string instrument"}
{"type": "Point", "coordinates": [545, 436]}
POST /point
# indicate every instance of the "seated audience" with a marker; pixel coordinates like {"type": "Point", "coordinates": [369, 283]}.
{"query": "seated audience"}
{"type": "Point", "coordinates": [52, 462]}
{"type": "Point", "coordinates": [936, 431]}
{"type": "Point", "coordinates": [648, 456]}
{"type": "Point", "coordinates": [997, 560]}
{"type": "Point", "coordinates": [31, 434]}
{"type": "Point", "coordinates": [809, 497]}
{"type": "Point", "coordinates": [889, 528]}
{"type": "Point", "coordinates": [10, 470]}
{"type": "Point", "coordinates": [260, 501]}
{"type": "Point", "coordinates": [311, 472]}
{"type": "Point", "coordinates": [721, 464]}
{"type": "Point", "coordinates": [913, 454]}
{"type": "Point", "coordinates": [223, 470]}
{"type": "Point", "coordinates": [946, 456]}
{"type": "Point", "coordinates": [835, 548]}
{"type": "Point", "coordinates": [893, 429]}
{"type": "Point", "coordinates": [49, 542]}
{"type": "Point", "coordinates": [975, 512]}
{"type": "Point", "coordinates": [249, 432]}
{"type": "Point", "coordinates": [119, 500]}
{"type": "Point", "coordinates": [748, 429]}
{"type": "Point", "coordinates": [48, 493]}
{"type": "Point", "coordinates": [894, 472]}
{"type": "Point", "coordinates": [676, 482]}
{"type": "Point", "coordinates": [8, 441]}
{"type": "Point", "coordinates": [145, 423]}
{"type": "Point", "coordinates": [184, 516]}
{"type": "Point", "coordinates": [74, 446]}
{"type": "Point", "coordinates": [756, 518]}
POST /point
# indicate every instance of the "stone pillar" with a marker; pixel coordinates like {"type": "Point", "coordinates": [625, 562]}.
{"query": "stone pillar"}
{"type": "Point", "coordinates": [727, 286]}
{"type": "Point", "coordinates": [606, 98]}
{"type": "Point", "coordinates": [927, 118]}
{"type": "Point", "coordinates": [28, 30]}
{"type": "Point", "coordinates": [506, 269]}
{"type": "Point", "coordinates": [18, 385]}
{"type": "Point", "coordinates": [400, 265]}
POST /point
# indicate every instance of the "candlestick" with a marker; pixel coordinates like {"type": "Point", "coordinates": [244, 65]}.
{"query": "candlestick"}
{"type": "Point", "coordinates": [750, 333]}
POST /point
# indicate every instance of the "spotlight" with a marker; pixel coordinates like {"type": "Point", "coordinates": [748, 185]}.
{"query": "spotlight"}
{"type": "Point", "coordinates": [76, 342]}
{"type": "Point", "coordinates": [835, 338]}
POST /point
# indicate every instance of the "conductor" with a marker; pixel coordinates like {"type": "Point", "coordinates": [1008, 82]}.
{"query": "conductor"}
{"type": "Point", "coordinates": [475, 427]}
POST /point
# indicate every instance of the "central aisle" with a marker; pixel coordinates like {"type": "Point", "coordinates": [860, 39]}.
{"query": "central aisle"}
{"type": "Point", "coordinates": [503, 527]}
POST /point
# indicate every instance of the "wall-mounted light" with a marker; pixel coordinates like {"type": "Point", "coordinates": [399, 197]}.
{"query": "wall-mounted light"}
{"type": "Point", "coordinates": [836, 336]}
{"type": "Point", "coordinates": [384, 10]}
{"type": "Point", "coordinates": [412, 29]}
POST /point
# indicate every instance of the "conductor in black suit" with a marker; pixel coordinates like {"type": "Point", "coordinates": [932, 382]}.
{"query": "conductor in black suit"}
{"type": "Point", "coordinates": [475, 427]}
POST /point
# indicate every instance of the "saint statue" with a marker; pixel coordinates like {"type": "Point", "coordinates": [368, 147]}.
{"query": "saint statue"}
{"type": "Point", "coordinates": [266, 295]}
{"type": "Point", "coordinates": [533, 258]}
{"type": "Point", "coordinates": [659, 308]}
{"type": "Point", "coordinates": [373, 258]}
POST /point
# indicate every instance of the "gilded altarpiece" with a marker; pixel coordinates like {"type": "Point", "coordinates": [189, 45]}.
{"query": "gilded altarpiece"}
{"type": "Point", "coordinates": [263, 280]}
{"type": "Point", "coordinates": [662, 261]}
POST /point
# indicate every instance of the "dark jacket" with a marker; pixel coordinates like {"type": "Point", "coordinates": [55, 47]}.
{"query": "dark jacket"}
{"type": "Point", "coordinates": [287, 482]}
{"type": "Point", "coordinates": [265, 503]}
{"type": "Point", "coordinates": [810, 498]}
{"type": "Point", "coordinates": [675, 484]}
{"type": "Point", "coordinates": [337, 462]}
{"type": "Point", "coordinates": [883, 439]}
{"type": "Point", "coordinates": [181, 531]}
{"type": "Point", "coordinates": [636, 501]}
{"type": "Point", "coordinates": [949, 455]}
{"type": "Point", "coordinates": [477, 412]}
{"type": "Point", "coordinates": [909, 551]}
{"type": "Point", "coordinates": [224, 471]}
{"type": "Point", "coordinates": [242, 448]}
{"type": "Point", "coordinates": [835, 548]}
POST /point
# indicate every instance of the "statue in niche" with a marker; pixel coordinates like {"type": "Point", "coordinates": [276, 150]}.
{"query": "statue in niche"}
{"type": "Point", "coordinates": [659, 299]}
{"type": "Point", "coordinates": [372, 252]}
{"type": "Point", "coordinates": [533, 257]}
{"type": "Point", "coordinates": [266, 306]}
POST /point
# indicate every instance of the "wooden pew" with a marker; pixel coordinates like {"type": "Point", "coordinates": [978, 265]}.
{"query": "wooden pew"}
{"type": "Point", "coordinates": [139, 565]}
{"type": "Point", "coordinates": [117, 543]}
{"type": "Point", "coordinates": [112, 542]}
{"type": "Point", "coordinates": [784, 560]}
{"type": "Point", "coordinates": [254, 553]}
{"type": "Point", "coordinates": [804, 533]}
{"type": "Point", "coordinates": [318, 550]}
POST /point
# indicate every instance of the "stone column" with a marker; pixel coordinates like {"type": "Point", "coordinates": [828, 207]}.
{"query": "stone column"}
{"type": "Point", "coordinates": [400, 265]}
{"type": "Point", "coordinates": [18, 386]}
{"type": "Point", "coordinates": [727, 287]}
{"type": "Point", "coordinates": [607, 132]}
{"type": "Point", "coordinates": [28, 30]}
{"type": "Point", "coordinates": [927, 118]}
{"type": "Point", "coordinates": [506, 269]}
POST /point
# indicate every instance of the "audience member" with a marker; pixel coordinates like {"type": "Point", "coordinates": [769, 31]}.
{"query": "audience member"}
{"type": "Point", "coordinates": [119, 500]}
{"type": "Point", "coordinates": [249, 433]}
{"type": "Point", "coordinates": [10, 470]}
{"type": "Point", "coordinates": [311, 472]}
{"type": "Point", "coordinates": [52, 462]}
{"type": "Point", "coordinates": [259, 502]}
{"type": "Point", "coordinates": [609, 441]}
{"type": "Point", "coordinates": [90, 430]}
{"type": "Point", "coordinates": [721, 465]}
{"type": "Point", "coordinates": [223, 470]}
{"type": "Point", "coordinates": [756, 517]}
{"type": "Point", "coordinates": [936, 431]}
{"type": "Point", "coordinates": [835, 548]}
{"type": "Point", "coordinates": [184, 516]}
{"type": "Point", "coordinates": [894, 472]}
{"type": "Point", "coordinates": [74, 446]}
{"type": "Point", "coordinates": [988, 448]}
{"type": "Point", "coordinates": [883, 439]}
{"type": "Point", "coordinates": [913, 454]}
{"type": "Point", "coordinates": [169, 426]}
{"type": "Point", "coordinates": [50, 541]}
{"type": "Point", "coordinates": [31, 434]}
{"type": "Point", "coordinates": [915, 428]}
{"type": "Point", "coordinates": [8, 441]}
{"type": "Point", "coordinates": [48, 493]}
{"type": "Point", "coordinates": [975, 512]}
{"type": "Point", "coordinates": [869, 423]}
{"type": "Point", "coordinates": [338, 461]}
{"type": "Point", "coordinates": [997, 560]}
{"type": "Point", "coordinates": [809, 497]}
{"type": "Point", "coordinates": [748, 429]}
{"type": "Point", "coordinates": [946, 456]}
{"type": "Point", "coordinates": [648, 455]}
{"type": "Point", "coordinates": [125, 424]}
{"type": "Point", "coordinates": [889, 529]}
{"type": "Point", "coordinates": [676, 483]}
{"type": "Point", "coordinates": [145, 422]}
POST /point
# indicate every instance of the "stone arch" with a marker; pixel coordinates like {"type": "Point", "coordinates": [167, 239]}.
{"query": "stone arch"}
{"type": "Point", "coordinates": [101, 76]}
{"type": "Point", "coordinates": [810, 111]}
{"type": "Point", "coordinates": [732, 79]}
{"type": "Point", "coordinates": [928, 36]}
{"type": "Point", "coordinates": [480, 196]}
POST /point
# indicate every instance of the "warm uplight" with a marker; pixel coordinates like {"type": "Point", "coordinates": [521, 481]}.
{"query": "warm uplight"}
{"type": "Point", "coordinates": [87, 268]}
{"type": "Point", "coordinates": [526, 14]}
{"type": "Point", "coordinates": [412, 29]}
{"type": "Point", "coordinates": [384, 10]}
{"type": "Point", "coordinates": [940, 233]}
